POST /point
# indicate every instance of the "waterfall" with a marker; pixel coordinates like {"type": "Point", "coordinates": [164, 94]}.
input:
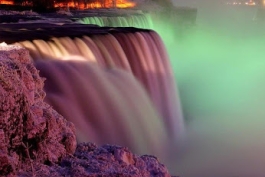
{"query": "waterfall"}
{"type": "Point", "coordinates": [110, 86]}
{"type": "Point", "coordinates": [140, 53]}
{"type": "Point", "coordinates": [115, 84]}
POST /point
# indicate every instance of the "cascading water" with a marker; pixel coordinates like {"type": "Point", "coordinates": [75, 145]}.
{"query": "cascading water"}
{"type": "Point", "coordinates": [106, 105]}
{"type": "Point", "coordinates": [116, 85]}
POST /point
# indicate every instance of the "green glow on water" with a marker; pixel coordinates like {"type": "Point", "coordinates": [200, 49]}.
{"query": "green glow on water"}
{"type": "Point", "coordinates": [220, 71]}
{"type": "Point", "coordinates": [140, 20]}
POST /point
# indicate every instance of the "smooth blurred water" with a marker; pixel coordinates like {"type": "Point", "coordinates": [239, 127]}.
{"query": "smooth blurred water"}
{"type": "Point", "coordinates": [220, 71]}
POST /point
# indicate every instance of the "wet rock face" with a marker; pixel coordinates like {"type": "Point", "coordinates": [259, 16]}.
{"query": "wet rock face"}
{"type": "Point", "coordinates": [29, 128]}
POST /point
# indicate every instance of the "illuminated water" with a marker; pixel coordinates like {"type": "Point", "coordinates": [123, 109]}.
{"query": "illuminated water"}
{"type": "Point", "coordinates": [117, 88]}
{"type": "Point", "coordinates": [220, 70]}
{"type": "Point", "coordinates": [106, 105]}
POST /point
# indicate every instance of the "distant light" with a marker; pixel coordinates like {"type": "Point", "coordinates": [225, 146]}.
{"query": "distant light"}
{"type": "Point", "coordinates": [97, 4]}
{"type": "Point", "coordinates": [7, 2]}
{"type": "Point", "coordinates": [248, 2]}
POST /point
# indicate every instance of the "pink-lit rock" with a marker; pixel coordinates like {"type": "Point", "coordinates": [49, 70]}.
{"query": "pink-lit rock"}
{"type": "Point", "coordinates": [29, 128]}
{"type": "Point", "coordinates": [105, 161]}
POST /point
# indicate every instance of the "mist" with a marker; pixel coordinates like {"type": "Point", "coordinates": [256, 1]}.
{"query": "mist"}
{"type": "Point", "coordinates": [220, 71]}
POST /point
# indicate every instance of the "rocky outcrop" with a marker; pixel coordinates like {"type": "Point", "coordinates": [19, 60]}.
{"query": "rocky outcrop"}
{"type": "Point", "coordinates": [36, 141]}
{"type": "Point", "coordinates": [106, 161]}
{"type": "Point", "coordinates": [29, 128]}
